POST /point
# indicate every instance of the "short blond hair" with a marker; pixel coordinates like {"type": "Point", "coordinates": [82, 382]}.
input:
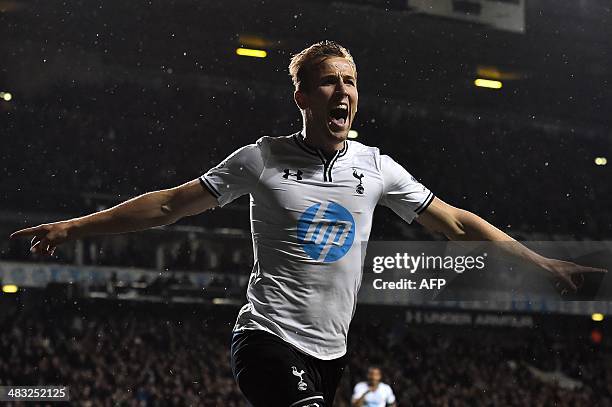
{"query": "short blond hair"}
{"type": "Point", "coordinates": [305, 59]}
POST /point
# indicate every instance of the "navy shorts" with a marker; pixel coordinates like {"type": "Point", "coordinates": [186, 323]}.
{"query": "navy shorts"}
{"type": "Point", "coordinates": [272, 373]}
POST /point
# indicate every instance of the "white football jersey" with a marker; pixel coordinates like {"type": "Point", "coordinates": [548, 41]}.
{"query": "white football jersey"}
{"type": "Point", "coordinates": [381, 397]}
{"type": "Point", "coordinates": [309, 218]}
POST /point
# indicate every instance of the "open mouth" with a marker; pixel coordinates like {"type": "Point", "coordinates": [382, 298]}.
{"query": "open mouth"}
{"type": "Point", "coordinates": [338, 116]}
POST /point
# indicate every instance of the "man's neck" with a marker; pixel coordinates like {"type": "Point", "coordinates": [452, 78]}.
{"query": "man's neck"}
{"type": "Point", "coordinates": [322, 142]}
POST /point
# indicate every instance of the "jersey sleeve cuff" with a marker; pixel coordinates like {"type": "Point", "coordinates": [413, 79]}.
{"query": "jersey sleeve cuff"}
{"type": "Point", "coordinates": [425, 203]}
{"type": "Point", "coordinates": [206, 184]}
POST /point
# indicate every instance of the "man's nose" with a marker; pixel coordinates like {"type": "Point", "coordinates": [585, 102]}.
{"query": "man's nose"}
{"type": "Point", "coordinates": [341, 87]}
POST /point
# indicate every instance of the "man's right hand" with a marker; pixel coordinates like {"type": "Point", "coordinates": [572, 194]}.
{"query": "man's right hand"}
{"type": "Point", "coordinates": [46, 237]}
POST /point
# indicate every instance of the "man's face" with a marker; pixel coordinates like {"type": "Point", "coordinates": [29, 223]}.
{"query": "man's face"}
{"type": "Point", "coordinates": [374, 376]}
{"type": "Point", "coordinates": [330, 102]}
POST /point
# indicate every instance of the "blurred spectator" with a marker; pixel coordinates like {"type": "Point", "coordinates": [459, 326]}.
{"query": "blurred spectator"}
{"type": "Point", "coordinates": [157, 357]}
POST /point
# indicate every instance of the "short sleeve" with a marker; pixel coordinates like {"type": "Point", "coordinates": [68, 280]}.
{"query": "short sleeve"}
{"type": "Point", "coordinates": [358, 391]}
{"type": "Point", "coordinates": [401, 191]}
{"type": "Point", "coordinates": [390, 396]}
{"type": "Point", "coordinates": [237, 175]}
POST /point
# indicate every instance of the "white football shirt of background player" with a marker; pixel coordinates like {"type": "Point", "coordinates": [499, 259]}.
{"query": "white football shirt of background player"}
{"type": "Point", "coordinates": [381, 397]}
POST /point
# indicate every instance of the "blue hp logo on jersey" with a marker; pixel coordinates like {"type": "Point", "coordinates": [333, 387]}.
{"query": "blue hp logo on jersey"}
{"type": "Point", "coordinates": [326, 231]}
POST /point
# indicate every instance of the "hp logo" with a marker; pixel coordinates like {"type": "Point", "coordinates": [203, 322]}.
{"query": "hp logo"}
{"type": "Point", "coordinates": [326, 231]}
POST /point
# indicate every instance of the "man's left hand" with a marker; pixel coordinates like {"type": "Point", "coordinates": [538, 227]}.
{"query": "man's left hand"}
{"type": "Point", "coordinates": [569, 276]}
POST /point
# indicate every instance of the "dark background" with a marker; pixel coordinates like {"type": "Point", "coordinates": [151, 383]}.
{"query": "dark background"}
{"type": "Point", "coordinates": [113, 99]}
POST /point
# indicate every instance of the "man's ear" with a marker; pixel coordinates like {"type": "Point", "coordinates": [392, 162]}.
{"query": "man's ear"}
{"type": "Point", "coordinates": [301, 99]}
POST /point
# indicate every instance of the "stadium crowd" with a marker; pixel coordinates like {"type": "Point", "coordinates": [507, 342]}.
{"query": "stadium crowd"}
{"type": "Point", "coordinates": [115, 143]}
{"type": "Point", "coordinates": [127, 140]}
{"type": "Point", "coordinates": [181, 252]}
{"type": "Point", "coordinates": [169, 357]}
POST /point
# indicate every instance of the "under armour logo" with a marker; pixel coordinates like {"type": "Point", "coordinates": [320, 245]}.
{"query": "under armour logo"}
{"type": "Point", "coordinates": [359, 187]}
{"type": "Point", "coordinates": [297, 175]}
{"type": "Point", "coordinates": [301, 384]}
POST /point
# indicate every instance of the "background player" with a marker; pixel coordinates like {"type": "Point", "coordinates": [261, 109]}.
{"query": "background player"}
{"type": "Point", "coordinates": [373, 392]}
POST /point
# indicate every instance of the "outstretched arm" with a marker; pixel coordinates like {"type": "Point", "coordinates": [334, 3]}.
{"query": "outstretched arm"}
{"type": "Point", "coordinates": [459, 224]}
{"type": "Point", "coordinates": [149, 210]}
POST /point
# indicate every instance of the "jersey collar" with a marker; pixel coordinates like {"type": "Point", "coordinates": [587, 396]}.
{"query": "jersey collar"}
{"type": "Point", "coordinates": [299, 139]}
